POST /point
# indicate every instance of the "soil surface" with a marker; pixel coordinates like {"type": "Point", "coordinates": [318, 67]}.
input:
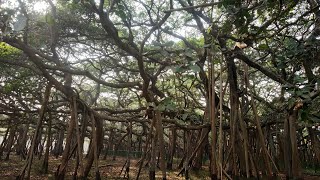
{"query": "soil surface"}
{"type": "Point", "coordinates": [109, 169]}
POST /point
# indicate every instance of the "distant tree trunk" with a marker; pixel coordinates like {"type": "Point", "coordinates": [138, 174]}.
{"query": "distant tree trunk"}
{"type": "Point", "coordinates": [234, 108]}
{"type": "Point", "coordinates": [161, 145]}
{"type": "Point", "coordinates": [258, 126]}
{"type": "Point", "coordinates": [61, 170]}
{"type": "Point", "coordinates": [4, 140]}
{"type": "Point", "coordinates": [41, 145]}
{"type": "Point", "coordinates": [74, 117]}
{"type": "Point", "coordinates": [291, 156]}
{"type": "Point", "coordinates": [198, 157]}
{"type": "Point", "coordinates": [315, 143]}
{"type": "Point", "coordinates": [196, 150]}
{"type": "Point", "coordinates": [245, 144]}
{"type": "Point", "coordinates": [20, 130]}
{"type": "Point", "coordinates": [296, 167]}
{"type": "Point", "coordinates": [187, 153]}
{"type": "Point", "coordinates": [58, 147]}
{"type": "Point", "coordinates": [172, 147]}
{"type": "Point", "coordinates": [27, 168]}
{"type": "Point", "coordinates": [221, 137]}
{"type": "Point", "coordinates": [273, 153]}
{"type": "Point", "coordinates": [109, 144]}
{"type": "Point", "coordinates": [99, 140]}
{"type": "Point", "coordinates": [129, 151]}
{"type": "Point", "coordinates": [145, 151]}
{"type": "Point", "coordinates": [118, 144]}
{"type": "Point", "coordinates": [152, 164]}
{"type": "Point", "coordinates": [139, 139]}
{"type": "Point", "coordinates": [23, 142]}
{"type": "Point", "coordinates": [95, 148]}
{"type": "Point", "coordinates": [10, 142]}
{"type": "Point", "coordinates": [45, 163]}
{"type": "Point", "coordinates": [212, 117]}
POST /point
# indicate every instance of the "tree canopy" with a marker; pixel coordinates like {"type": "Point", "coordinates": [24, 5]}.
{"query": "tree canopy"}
{"type": "Point", "coordinates": [228, 65]}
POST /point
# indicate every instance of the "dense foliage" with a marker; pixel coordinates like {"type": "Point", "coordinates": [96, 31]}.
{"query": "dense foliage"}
{"type": "Point", "coordinates": [92, 68]}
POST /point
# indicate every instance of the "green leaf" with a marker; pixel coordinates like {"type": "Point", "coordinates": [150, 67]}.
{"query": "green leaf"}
{"type": "Point", "coordinates": [314, 118]}
{"type": "Point", "coordinates": [207, 45]}
{"type": "Point", "coordinates": [188, 54]}
{"type": "Point", "coordinates": [305, 132]}
{"type": "Point", "coordinates": [49, 19]}
{"type": "Point", "coordinates": [156, 43]}
{"type": "Point", "coordinates": [304, 116]}
{"type": "Point", "coordinates": [169, 43]}
{"type": "Point", "coordinates": [185, 116]}
{"type": "Point", "coordinates": [291, 102]}
{"type": "Point", "coordinates": [171, 106]}
{"type": "Point", "coordinates": [263, 47]}
{"type": "Point", "coordinates": [227, 26]}
{"type": "Point", "coordinates": [161, 107]}
{"type": "Point", "coordinates": [165, 53]}
{"type": "Point", "coordinates": [195, 68]}
{"type": "Point", "coordinates": [121, 13]}
{"type": "Point", "coordinates": [179, 69]}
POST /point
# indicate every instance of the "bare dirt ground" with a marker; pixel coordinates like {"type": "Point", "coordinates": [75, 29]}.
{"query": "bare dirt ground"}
{"type": "Point", "coordinates": [108, 168]}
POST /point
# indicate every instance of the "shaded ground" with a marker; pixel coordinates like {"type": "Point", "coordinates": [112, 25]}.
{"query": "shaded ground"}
{"type": "Point", "coordinates": [109, 169]}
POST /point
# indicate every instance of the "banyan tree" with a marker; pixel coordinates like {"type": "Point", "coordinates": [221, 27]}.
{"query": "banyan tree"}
{"type": "Point", "coordinates": [229, 87]}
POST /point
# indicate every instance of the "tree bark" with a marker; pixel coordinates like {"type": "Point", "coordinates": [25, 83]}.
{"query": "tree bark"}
{"type": "Point", "coordinates": [60, 173]}
{"type": "Point", "coordinates": [172, 146]}
{"type": "Point", "coordinates": [161, 144]}
{"type": "Point", "coordinates": [212, 117]}
{"type": "Point", "coordinates": [10, 142]}
{"type": "Point", "coordinates": [74, 117]}
{"type": "Point", "coordinates": [152, 164]}
{"type": "Point", "coordinates": [4, 140]}
{"type": "Point", "coordinates": [315, 143]}
{"type": "Point", "coordinates": [296, 167]}
{"type": "Point", "coordinates": [99, 140]}
{"type": "Point", "coordinates": [95, 148]}
{"type": "Point", "coordinates": [45, 163]}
